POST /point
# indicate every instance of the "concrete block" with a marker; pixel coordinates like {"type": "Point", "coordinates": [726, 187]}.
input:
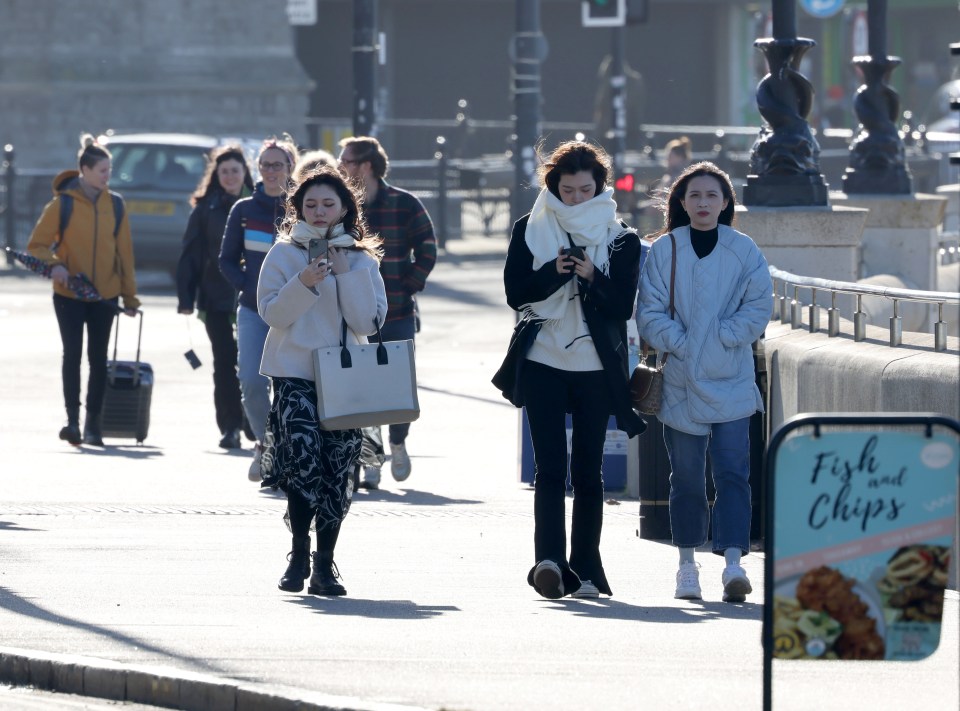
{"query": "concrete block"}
{"type": "Point", "coordinates": [265, 698]}
{"type": "Point", "coordinates": [41, 673]}
{"type": "Point", "coordinates": [14, 668]}
{"type": "Point", "coordinates": [202, 695]}
{"type": "Point", "coordinates": [146, 687]}
{"type": "Point", "coordinates": [813, 241]}
{"type": "Point", "coordinates": [68, 677]}
{"type": "Point", "coordinates": [105, 682]}
{"type": "Point", "coordinates": [917, 210]}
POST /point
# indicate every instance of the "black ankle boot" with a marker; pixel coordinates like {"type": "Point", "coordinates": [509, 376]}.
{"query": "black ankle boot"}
{"type": "Point", "coordinates": [326, 578]}
{"type": "Point", "coordinates": [299, 568]}
{"type": "Point", "coordinates": [71, 431]}
{"type": "Point", "coordinates": [92, 431]}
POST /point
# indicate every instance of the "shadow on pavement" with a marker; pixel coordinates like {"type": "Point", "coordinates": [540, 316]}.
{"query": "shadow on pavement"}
{"type": "Point", "coordinates": [488, 400]}
{"type": "Point", "coordinates": [462, 296]}
{"type": "Point", "coordinates": [411, 497]}
{"type": "Point", "coordinates": [14, 603]}
{"type": "Point", "coordinates": [373, 609]}
{"type": "Point", "coordinates": [130, 451]}
{"type": "Point", "coordinates": [8, 526]}
{"type": "Point", "coordinates": [606, 608]}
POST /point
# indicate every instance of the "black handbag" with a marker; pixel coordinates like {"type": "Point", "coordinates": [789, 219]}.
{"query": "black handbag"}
{"type": "Point", "coordinates": [507, 378]}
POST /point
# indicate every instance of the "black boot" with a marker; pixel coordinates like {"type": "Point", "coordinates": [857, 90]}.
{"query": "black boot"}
{"type": "Point", "coordinates": [92, 431]}
{"type": "Point", "coordinates": [71, 431]}
{"type": "Point", "coordinates": [326, 578]}
{"type": "Point", "coordinates": [299, 568]}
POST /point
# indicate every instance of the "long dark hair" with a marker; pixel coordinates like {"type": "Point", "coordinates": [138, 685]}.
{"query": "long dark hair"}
{"type": "Point", "coordinates": [353, 221]}
{"type": "Point", "coordinates": [673, 213]}
{"type": "Point", "coordinates": [210, 182]}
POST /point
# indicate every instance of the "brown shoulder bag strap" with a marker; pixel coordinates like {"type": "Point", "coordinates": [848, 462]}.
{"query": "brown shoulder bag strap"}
{"type": "Point", "coordinates": [673, 278]}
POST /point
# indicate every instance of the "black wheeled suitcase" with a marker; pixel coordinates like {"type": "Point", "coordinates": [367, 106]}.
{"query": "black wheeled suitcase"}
{"type": "Point", "coordinates": [126, 401]}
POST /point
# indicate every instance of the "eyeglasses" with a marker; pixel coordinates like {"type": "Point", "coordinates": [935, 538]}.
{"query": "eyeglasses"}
{"type": "Point", "coordinates": [272, 167]}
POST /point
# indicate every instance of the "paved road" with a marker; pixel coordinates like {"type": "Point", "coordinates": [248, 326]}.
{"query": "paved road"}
{"type": "Point", "coordinates": [165, 556]}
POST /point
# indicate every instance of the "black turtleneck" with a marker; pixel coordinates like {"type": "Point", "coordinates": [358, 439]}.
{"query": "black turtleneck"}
{"type": "Point", "coordinates": [704, 241]}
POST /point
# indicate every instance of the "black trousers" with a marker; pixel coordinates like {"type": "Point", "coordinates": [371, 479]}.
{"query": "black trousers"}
{"type": "Point", "coordinates": [549, 394]}
{"type": "Point", "coordinates": [72, 316]}
{"type": "Point", "coordinates": [226, 386]}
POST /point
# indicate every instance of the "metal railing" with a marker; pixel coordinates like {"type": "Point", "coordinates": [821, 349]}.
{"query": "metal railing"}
{"type": "Point", "coordinates": [790, 310]}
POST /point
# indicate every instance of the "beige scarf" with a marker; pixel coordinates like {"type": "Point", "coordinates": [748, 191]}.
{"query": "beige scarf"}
{"type": "Point", "coordinates": [303, 232]}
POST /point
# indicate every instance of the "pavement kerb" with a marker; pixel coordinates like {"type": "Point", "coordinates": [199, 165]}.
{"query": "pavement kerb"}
{"type": "Point", "coordinates": [164, 686]}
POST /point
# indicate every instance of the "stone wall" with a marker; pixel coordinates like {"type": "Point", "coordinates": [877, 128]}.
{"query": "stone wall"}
{"type": "Point", "coordinates": [198, 66]}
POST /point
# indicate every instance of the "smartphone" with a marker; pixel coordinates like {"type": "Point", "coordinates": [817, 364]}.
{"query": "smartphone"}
{"type": "Point", "coordinates": [317, 248]}
{"type": "Point", "coordinates": [573, 252]}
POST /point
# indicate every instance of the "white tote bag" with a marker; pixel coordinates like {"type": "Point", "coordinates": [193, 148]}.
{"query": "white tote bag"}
{"type": "Point", "coordinates": [366, 384]}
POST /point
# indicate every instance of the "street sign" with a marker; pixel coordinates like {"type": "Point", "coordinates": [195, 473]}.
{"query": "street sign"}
{"type": "Point", "coordinates": [861, 521]}
{"type": "Point", "coordinates": [604, 13]}
{"type": "Point", "coordinates": [302, 12]}
{"type": "Point", "coordinates": [822, 8]}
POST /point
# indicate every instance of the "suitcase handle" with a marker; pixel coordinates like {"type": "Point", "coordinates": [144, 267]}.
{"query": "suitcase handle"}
{"type": "Point", "coordinates": [116, 337]}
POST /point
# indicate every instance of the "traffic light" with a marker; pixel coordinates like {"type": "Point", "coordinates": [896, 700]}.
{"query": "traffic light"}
{"type": "Point", "coordinates": [604, 13]}
{"type": "Point", "coordinates": [623, 188]}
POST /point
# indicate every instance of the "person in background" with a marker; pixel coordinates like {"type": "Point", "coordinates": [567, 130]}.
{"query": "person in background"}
{"type": "Point", "coordinates": [309, 162]}
{"type": "Point", "coordinates": [678, 154]}
{"type": "Point", "coordinates": [410, 252]}
{"type": "Point", "coordinates": [200, 282]}
{"type": "Point", "coordinates": [250, 232]}
{"type": "Point", "coordinates": [722, 304]}
{"type": "Point", "coordinates": [92, 243]}
{"type": "Point", "coordinates": [304, 301]}
{"type": "Point", "coordinates": [578, 361]}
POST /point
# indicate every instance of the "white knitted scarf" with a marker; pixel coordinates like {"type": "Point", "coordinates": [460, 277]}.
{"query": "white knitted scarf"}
{"type": "Point", "coordinates": [303, 232]}
{"type": "Point", "coordinates": [592, 225]}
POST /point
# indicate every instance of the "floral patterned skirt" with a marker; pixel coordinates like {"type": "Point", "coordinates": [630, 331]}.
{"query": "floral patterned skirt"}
{"type": "Point", "coordinates": [298, 456]}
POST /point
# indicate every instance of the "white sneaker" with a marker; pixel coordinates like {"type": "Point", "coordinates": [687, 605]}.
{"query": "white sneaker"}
{"type": "Point", "coordinates": [587, 590]}
{"type": "Point", "coordinates": [688, 582]}
{"type": "Point", "coordinates": [370, 478]}
{"type": "Point", "coordinates": [253, 474]}
{"type": "Point", "coordinates": [399, 461]}
{"type": "Point", "coordinates": [736, 584]}
{"type": "Point", "coordinates": [548, 579]}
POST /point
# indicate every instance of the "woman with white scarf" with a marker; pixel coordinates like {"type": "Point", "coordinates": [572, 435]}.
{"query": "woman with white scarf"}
{"type": "Point", "coordinates": [303, 301]}
{"type": "Point", "coordinates": [573, 267]}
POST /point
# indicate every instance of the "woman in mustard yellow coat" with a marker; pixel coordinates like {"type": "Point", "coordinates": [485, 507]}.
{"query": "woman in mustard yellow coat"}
{"type": "Point", "coordinates": [91, 243]}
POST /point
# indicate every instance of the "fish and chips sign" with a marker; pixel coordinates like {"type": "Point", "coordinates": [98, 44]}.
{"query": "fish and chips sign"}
{"type": "Point", "coordinates": [861, 522]}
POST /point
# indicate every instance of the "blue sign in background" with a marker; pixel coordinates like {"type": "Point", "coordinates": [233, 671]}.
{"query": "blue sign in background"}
{"type": "Point", "coordinates": [822, 8]}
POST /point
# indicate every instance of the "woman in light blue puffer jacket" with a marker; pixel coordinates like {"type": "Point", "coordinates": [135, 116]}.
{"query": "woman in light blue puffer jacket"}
{"type": "Point", "coordinates": [722, 303]}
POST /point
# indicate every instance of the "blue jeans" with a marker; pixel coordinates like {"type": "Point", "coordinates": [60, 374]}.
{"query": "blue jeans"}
{"type": "Point", "coordinates": [254, 388]}
{"type": "Point", "coordinates": [729, 445]}
{"type": "Point", "coordinates": [399, 330]}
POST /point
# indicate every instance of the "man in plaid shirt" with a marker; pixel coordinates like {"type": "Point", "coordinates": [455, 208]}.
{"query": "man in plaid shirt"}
{"type": "Point", "coordinates": [410, 251]}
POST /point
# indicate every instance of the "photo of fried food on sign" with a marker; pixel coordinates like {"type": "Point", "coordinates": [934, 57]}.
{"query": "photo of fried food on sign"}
{"type": "Point", "coordinates": [863, 531]}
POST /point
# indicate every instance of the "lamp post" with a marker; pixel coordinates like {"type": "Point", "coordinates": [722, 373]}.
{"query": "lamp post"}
{"type": "Point", "coordinates": [785, 158]}
{"type": "Point", "coordinates": [527, 51]}
{"type": "Point", "coordinates": [877, 156]}
{"type": "Point", "coordinates": [364, 66]}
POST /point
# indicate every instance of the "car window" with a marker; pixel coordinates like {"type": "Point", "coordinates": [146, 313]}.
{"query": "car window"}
{"type": "Point", "coordinates": [153, 167]}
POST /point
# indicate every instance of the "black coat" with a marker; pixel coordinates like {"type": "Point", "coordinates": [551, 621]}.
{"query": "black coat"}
{"type": "Point", "coordinates": [607, 305]}
{"type": "Point", "coordinates": [198, 271]}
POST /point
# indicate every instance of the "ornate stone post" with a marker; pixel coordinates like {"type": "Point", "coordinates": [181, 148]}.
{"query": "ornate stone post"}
{"type": "Point", "coordinates": [785, 159]}
{"type": "Point", "coordinates": [877, 159]}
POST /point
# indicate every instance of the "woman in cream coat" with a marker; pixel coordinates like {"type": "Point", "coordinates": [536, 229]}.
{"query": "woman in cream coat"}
{"type": "Point", "coordinates": [303, 302]}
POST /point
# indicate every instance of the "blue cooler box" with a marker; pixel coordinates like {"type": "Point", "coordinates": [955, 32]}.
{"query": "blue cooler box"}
{"type": "Point", "coordinates": [614, 454]}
